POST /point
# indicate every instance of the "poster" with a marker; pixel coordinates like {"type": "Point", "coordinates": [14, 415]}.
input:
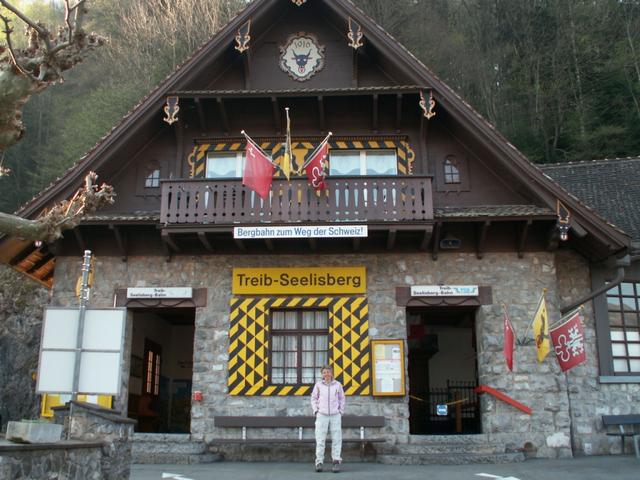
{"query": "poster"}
{"type": "Point", "coordinates": [388, 367]}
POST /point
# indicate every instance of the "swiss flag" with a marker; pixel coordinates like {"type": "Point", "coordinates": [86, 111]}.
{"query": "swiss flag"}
{"type": "Point", "coordinates": [568, 342]}
{"type": "Point", "coordinates": [316, 168]}
{"type": "Point", "coordinates": [509, 338]}
{"type": "Point", "coordinates": [258, 170]}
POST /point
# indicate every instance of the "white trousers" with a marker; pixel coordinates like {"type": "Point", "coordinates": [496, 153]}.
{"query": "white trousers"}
{"type": "Point", "coordinates": [323, 424]}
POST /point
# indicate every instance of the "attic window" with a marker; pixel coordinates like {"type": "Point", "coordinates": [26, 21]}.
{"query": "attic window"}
{"type": "Point", "coordinates": [152, 179]}
{"type": "Point", "coordinates": [451, 170]}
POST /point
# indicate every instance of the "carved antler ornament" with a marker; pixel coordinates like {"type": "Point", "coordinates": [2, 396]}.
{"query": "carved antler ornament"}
{"type": "Point", "coordinates": [171, 108]}
{"type": "Point", "coordinates": [355, 34]}
{"type": "Point", "coordinates": [243, 37]}
{"type": "Point", "coordinates": [428, 111]}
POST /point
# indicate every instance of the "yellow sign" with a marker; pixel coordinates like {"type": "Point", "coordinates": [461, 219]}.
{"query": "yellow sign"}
{"type": "Point", "coordinates": [306, 280]}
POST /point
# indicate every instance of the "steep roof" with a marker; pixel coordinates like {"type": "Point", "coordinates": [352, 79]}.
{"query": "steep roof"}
{"type": "Point", "coordinates": [610, 186]}
{"type": "Point", "coordinates": [469, 121]}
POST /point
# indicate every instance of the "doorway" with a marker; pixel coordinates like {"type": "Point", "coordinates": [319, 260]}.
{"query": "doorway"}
{"type": "Point", "coordinates": [161, 369]}
{"type": "Point", "coordinates": [443, 371]}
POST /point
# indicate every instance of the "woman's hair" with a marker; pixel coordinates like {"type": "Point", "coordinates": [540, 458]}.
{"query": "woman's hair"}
{"type": "Point", "coordinates": [327, 367]}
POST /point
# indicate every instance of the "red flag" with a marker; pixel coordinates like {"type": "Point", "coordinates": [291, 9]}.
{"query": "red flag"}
{"type": "Point", "coordinates": [316, 167]}
{"type": "Point", "coordinates": [509, 338]}
{"type": "Point", "coordinates": [258, 170]}
{"type": "Point", "coordinates": [568, 342]}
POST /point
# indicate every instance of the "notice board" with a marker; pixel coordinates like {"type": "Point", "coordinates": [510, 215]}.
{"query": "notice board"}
{"type": "Point", "coordinates": [388, 367]}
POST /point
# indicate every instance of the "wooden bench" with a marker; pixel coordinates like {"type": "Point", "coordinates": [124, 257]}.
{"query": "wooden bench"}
{"type": "Point", "coordinates": [626, 428]}
{"type": "Point", "coordinates": [299, 422]}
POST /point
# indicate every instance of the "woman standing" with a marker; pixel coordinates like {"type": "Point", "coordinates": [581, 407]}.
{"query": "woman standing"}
{"type": "Point", "coordinates": [327, 401]}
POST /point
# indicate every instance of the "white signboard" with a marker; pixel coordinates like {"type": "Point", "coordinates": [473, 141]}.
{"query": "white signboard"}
{"type": "Point", "coordinates": [160, 292]}
{"type": "Point", "coordinates": [301, 231]}
{"type": "Point", "coordinates": [100, 355]}
{"type": "Point", "coordinates": [444, 291]}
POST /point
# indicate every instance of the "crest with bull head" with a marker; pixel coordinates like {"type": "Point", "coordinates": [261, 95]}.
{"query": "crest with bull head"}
{"type": "Point", "coordinates": [301, 56]}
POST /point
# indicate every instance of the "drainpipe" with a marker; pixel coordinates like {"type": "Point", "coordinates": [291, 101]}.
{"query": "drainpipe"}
{"type": "Point", "coordinates": [620, 264]}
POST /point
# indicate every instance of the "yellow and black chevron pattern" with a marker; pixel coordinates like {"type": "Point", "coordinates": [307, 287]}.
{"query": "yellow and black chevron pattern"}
{"type": "Point", "coordinates": [197, 159]}
{"type": "Point", "coordinates": [349, 351]}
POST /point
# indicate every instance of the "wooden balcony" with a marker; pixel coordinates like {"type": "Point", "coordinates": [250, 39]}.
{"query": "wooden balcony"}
{"type": "Point", "coordinates": [367, 200]}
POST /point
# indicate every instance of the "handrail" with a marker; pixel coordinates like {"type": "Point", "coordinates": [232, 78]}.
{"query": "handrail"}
{"type": "Point", "coordinates": [505, 398]}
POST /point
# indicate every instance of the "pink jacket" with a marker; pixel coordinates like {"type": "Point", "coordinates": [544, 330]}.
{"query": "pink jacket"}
{"type": "Point", "coordinates": [328, 399]}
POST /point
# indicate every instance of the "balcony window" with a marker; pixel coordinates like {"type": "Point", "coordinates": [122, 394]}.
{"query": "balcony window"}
{"type": "Point", "coordinates": [451, 170]}
{"type": "Point", "coordinates": [369, 163]}
{"type": "Point", "coordinates": [225, 164]}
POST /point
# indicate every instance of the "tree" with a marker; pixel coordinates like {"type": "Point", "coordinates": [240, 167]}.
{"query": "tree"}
{"type": "Point", "coordinates": [30, 70]}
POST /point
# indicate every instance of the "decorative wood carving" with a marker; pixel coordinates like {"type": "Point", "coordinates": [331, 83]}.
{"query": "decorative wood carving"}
{"type": "Point", "coordinates": [564, 218]}
{"type": "Point", "coordinates": [301, 56]}
{"type": "Point", "coordinates": [428, 110]}
{"type": "Point", "coordinates": [355, 34]}
{"type": "Point", "coordinates": [243, 37]}
{"type": "Point", "coordinates": [171, 109]}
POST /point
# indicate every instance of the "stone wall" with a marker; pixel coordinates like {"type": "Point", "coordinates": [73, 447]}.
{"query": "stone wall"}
{"type": "Point", "coordinates": [64, 461]}
{"type": "Point", "coordinates": [589, 398]}
{"type": "Point", "coordinates": [517, 282]}
{"type": "Point", "coordinates": [21, 305]}
{"type": "Point", "coordinates": [89, 423]}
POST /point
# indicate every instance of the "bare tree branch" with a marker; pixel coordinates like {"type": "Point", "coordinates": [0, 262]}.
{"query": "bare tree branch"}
{"type": "Point", "coordinates": [63, 216]}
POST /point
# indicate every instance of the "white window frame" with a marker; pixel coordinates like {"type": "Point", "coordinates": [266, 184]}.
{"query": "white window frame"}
{"type": "Point", "coordinates": [363, 160]}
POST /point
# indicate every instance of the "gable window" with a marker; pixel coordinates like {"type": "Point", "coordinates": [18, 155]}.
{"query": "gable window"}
{"type": "Point", "coordinates": [299, 345]}
{"type": "Point", "coordinates": [153, 179]}
{"type": "Point", "coordinates": [451, 170]}
{"type": "Point", "coordinates": [368, 163]}
{"type": "Point", "coordinates": [224, 164]}
{"type": "Point", "coordinates": [623, 305]}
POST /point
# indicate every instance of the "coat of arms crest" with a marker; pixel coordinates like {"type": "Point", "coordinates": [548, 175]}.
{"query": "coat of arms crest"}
{"type": "Point", "coordinates": [301, 56]}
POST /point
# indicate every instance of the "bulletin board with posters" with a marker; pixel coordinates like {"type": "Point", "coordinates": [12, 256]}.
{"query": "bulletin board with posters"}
{"type": "Point", "coordinates": [388, 367]}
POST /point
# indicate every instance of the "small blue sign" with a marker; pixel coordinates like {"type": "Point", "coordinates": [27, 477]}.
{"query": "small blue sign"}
{"type": "Point", "coordinates": [442, 410]}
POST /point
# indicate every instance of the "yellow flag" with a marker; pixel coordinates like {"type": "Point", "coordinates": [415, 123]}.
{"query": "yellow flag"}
{"type": "Point", "coordinates": [288, 154]}
{"type": "Point", "coordinates": [541, 329]}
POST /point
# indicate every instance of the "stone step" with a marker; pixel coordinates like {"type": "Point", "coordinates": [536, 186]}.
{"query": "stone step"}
{"type": "Point", "coordinates": [481, 438]}
{"type": "Point", "coordinates": [446, 448]}
{"type": "Point", "coordinates": [443, 459]}
{"type": "Point", "coordinates": [170, 448]}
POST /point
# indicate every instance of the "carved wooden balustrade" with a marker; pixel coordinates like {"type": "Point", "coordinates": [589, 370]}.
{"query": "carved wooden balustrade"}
{"type": "Point", "coordinates": [347, 199]}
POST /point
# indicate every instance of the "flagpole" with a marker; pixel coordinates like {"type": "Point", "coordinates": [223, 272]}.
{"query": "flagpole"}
{"type": "Point", "coordinates": [314, 152]}
{"type": "Point", "coordinates": [524, 337]}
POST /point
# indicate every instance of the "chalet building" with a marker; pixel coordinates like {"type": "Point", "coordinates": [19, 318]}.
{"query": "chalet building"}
{"type": "Point", "coordinates": [397, 274]}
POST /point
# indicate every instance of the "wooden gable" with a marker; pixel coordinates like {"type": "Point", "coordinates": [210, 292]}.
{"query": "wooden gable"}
{"type": "Point", "coordinates": [365, 96]}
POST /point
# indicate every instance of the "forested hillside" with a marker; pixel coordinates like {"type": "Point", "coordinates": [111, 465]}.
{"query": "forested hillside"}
{"type": "Point", "coordinates": [560, 79]}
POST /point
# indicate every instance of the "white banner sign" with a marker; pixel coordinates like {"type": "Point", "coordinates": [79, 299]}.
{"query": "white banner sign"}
{"type": "Point", "coordinates": [301, 231]}
{"type": "Point", "coordinates": [160, 292]}
{"type": "Point", "coordinates": [444, 291]}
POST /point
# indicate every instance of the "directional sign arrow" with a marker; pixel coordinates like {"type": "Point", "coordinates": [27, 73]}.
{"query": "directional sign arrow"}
{"type": "Point", "coordinates": [174, 476]}
{"type": "Point", "coordinates": [495, 477]}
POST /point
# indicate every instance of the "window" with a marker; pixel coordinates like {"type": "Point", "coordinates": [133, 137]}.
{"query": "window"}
{"type": "Point", "coordinates": [451, 170]}
{"type": "Point", "coordinates": [299, 345]}
{"type": "Point", "coordinates": [153, 179]}
{"type": "Point", "coordinates": [225, 164]}
{"type": "Point", "coordinates": [363, 163]}
{"type": "Point", "coordinates": [624, 310]}
{"type": "Point", "coordinates": [152, 362]}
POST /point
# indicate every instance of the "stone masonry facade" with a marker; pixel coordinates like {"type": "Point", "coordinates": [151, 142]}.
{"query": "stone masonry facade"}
{"type": "Point", "coordinates": [565, 407]}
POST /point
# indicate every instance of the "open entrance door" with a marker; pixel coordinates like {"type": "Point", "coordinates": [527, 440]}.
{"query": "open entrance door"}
{"type": "Point", "coordinates": [443, 371]}
{"type": "Point", "coordinates": [161, 369]}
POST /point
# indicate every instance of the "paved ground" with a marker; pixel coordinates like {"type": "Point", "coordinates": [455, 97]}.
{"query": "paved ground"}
{"type": "Point", "coordinates": [586, 468]}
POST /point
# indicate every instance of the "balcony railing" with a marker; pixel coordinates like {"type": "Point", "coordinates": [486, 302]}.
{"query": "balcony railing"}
{"type": "Point", "coordinates": [353, 199]}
